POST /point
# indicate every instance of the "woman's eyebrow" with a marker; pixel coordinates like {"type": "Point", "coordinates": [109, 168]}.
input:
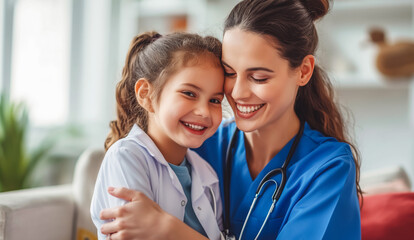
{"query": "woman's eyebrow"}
{"type": "Point", "coordinates": [251, 69]}
{"type": "Point", "coordinates": [259, 69]}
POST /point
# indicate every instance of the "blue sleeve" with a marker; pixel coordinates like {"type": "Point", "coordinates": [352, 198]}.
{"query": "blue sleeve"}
{"type": "Point", "coordinates": [329, 209]}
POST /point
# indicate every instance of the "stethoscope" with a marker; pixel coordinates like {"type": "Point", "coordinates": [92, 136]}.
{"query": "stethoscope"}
{"type": "Point", "coordinates": [266, 179]}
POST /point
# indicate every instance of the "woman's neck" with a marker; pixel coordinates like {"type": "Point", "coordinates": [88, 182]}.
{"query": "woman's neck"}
{"type": "Point", "coordinates": [265, 143]}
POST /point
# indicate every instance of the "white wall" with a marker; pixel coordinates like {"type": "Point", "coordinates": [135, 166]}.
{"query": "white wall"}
{"type": "Point", "coordinates": [383, 112]}
{"type": "Point", "coordinates": [382, 116]}
{"type": "Point", "coordinates": [96, 87]}
{"type": "Point", "coordinates": [383, 109]}
{"type": "Point", "coordinates": [382, 128]}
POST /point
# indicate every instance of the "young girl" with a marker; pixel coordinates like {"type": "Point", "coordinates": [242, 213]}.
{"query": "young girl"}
{"type": "Point", "coordinates": [168, 100]}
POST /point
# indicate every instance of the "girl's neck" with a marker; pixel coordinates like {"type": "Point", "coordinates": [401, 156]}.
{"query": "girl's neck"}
{"type": "Point", "coordinates": [265, 143]}
{"type": "Point", "coordinates": [172, 152]}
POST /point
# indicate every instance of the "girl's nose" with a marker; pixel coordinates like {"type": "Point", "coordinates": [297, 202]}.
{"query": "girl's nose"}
{"type": "Point", "coordinates": [202, 109]}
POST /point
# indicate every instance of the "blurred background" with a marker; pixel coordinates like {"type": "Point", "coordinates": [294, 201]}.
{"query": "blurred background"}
{"type": "Point", "coordinates": [63, 58]}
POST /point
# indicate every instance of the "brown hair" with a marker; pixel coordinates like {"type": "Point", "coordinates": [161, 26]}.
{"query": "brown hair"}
{"type": "Point", "coordinates": [154, 57]}
{"type": "Point", "coordinates": [290, 23]}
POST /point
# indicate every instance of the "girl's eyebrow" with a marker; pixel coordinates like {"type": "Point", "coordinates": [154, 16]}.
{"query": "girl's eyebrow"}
{"type": "Point", "coordinates": [251, 69]}
{"type": "Point", "coordinates": [201, 90]}
{"type": "Point", "coordinates": [193, 86]}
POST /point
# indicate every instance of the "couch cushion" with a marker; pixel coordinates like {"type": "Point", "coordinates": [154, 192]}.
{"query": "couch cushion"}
{"type": "Point", "coordinates": [385, 180]}
{"type": "Point", "coordinates": [388, 216]}
{"type": "Point", "coordinates": [45, 213]}
{"type": "Point", "coordinates": [84, 178]}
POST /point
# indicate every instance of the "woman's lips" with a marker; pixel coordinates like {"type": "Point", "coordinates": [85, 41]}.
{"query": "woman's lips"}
{"type": "Point", "coordinates": [248, 111]}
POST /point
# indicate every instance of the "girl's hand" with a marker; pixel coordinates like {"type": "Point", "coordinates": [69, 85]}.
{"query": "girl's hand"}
{"type": "Point", "coordinates": [141, 218]}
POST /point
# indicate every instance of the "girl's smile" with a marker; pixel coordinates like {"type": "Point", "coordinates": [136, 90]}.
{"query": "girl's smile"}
{"type": "Point", "coordinates": [195, 128]}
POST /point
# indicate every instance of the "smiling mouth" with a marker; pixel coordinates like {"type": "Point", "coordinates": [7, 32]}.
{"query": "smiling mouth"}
{"type": "Point", "coordinates": [248, 109]}
{"type": "Point", "coordinates": [195, 127]}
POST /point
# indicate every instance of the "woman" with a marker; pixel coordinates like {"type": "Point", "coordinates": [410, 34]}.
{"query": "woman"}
{"type": "Point", "coordinates": [278, 95]}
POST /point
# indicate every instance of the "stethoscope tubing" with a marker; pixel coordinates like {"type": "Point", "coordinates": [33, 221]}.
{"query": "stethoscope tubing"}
{"type": "Point", "coordinates": [267, 178]}
{"type": "Point", "coordinates": [258, 192]}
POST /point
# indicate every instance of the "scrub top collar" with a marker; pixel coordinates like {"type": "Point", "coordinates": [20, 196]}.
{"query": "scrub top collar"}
{"type": "Point", "coordinates": [276, 162]}
{"type": "Point", "coordinates": [206, 179]}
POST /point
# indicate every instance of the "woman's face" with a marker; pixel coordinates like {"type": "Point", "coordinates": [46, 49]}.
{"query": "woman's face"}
{"type": "Point", "coordinates": [260, 85]}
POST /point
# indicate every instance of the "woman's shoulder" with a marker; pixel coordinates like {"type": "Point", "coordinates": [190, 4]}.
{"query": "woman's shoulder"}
{"type": "Point", "coordinates": [319, 141]}
{"type": "Point", "coordinates": [324, 150]}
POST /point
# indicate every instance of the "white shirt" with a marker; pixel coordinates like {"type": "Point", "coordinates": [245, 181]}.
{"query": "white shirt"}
{"type": "Point", "coordinates": [136, 163]}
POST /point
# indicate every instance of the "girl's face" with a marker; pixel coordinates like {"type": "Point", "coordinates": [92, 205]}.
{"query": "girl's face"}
{"type": "Point", "coordinates": [260, 85]}
{"type": "Point", "coordinates": [188, 110]}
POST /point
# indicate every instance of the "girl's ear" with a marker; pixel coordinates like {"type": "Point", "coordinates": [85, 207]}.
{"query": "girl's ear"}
{"type": "Point", "coordinates": [306, 70]}
{"type": "Point", "coordinates": [143, 90]}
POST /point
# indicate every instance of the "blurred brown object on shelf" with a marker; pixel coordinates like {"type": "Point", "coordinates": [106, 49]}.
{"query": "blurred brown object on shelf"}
{"type": "Point", "coordinates": [179, 24]}
{"type": "Point", "coordinates": [394, 60]}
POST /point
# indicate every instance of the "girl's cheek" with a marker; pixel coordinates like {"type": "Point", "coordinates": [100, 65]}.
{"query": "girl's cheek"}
{"type": "Point", "coordinates": [217, 116]}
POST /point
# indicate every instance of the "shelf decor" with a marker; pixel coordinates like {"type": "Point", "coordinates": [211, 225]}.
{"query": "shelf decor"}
{"type": "Point", "coordinates": [393, 60]}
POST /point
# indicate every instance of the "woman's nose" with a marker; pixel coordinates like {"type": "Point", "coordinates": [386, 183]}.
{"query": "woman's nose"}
{"type": "Point", "coordinates": [239, 88]}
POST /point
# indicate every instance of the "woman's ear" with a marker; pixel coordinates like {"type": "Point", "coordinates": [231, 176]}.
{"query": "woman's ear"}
{"type": "Point", "coordinates": [143, 91]}
{"type": "Point", "coordinates": [306, 70]}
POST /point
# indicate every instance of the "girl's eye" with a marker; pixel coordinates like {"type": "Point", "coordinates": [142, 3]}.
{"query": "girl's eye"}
{"type": "Point", "coordinates": [188, 93]}
{"type": "Point", "coordinates": [215, 101]}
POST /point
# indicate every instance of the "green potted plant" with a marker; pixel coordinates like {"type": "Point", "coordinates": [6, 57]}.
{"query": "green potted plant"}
{"type": "Point", "coordinates": [16, 162]}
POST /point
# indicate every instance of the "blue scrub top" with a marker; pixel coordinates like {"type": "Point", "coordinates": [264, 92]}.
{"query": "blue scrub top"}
{"type": "Point", "coordinates": [319, 200]}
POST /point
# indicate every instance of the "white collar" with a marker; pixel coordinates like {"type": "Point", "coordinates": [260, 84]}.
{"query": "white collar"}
{"type": "Point", "coordinates": [206, 178]}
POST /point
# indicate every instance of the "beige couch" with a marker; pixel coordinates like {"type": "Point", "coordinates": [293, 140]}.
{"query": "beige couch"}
{"type": "Point", "coordinates": [53, 213]}
{"type": "Point", "coordinates": [62, 212]}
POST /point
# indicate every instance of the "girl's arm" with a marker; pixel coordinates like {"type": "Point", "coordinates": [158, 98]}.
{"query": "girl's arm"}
{"type": "Point", "coordinates": [141, 218]}
{"type": "Point", "coordinates": [122, 168]}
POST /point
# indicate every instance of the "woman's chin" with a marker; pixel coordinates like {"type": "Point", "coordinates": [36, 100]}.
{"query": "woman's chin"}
{"type": "Point", "coordinates": [246, 126]}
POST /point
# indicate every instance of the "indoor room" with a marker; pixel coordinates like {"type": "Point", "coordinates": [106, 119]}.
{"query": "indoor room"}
{"type": "Point", "coordinates": [61, 61]}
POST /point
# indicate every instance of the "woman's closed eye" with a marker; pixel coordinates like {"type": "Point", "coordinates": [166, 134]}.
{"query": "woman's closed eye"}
{"type": "Point", "coordinates": [229, 74]}
{"type": "Point", "coordinates": [259, 79]}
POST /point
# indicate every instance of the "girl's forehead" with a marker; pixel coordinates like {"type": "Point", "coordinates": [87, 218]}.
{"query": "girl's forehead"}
{"type": "Point", "coordinates": [188, 59]}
